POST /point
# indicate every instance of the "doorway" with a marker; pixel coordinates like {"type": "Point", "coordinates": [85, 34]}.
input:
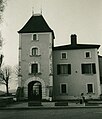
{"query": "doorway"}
{"type": "Point", "coordinates": [34, 91]}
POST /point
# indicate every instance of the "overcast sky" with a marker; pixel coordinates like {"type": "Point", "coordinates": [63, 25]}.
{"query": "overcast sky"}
{"type": "Point", "coordinates": [65, 17]}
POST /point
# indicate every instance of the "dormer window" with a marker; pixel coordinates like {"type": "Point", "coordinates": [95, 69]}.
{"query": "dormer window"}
{"type": "Point", "coordinates": [35, 37]}
{"type": "Point", "coordinates": [63, 55]}
{"type": "Point", "coordinates": [87, 54]}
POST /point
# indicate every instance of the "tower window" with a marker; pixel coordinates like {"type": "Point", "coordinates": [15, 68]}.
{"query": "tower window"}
{"type": "Point", "coordinates": [34, 51]}
{"type": "Point", "coordinates": [34, 68]}
{"type": "Point", "coordinates": [35, 37]}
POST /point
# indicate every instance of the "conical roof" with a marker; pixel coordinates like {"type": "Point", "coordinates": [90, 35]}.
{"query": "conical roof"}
{"type": "Point", "coordinates": [36, 24]}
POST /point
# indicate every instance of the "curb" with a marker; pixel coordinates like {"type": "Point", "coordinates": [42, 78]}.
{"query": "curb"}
{"type": "Point", "coordinates": [41, 108]}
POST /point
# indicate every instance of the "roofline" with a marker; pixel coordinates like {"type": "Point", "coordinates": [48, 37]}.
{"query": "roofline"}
{"type": "Point", "coordinates": [77, 46]}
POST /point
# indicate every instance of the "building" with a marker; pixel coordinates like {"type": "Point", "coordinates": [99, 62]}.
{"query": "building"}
{"type": "Point", "coordinates": [100, 70]}
{"type": "Point", "coordinates": [76, 70]}
{"type": "Point", "coordinates": [58, 73]}
{"type": "Point", "coordinates": [35, 58]}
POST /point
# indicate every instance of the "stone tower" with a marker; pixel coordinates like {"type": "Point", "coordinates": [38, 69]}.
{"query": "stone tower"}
{"type": "Point", "coordinates": [36, 41]}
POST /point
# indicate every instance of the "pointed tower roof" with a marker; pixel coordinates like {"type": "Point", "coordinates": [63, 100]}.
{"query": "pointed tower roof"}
{"type": "Point", "coordinates": [36, 24]}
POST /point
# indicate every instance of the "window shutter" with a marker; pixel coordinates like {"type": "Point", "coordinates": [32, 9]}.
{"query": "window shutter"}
{"type": "Point", "coordinates": [94, 68]}
{"type": "Point", "coordinates": [30, 68]}
{"type": "Point", "coordinates": [39, 68]}
{"type": "Point", "coordinates": [58, 69]}
{"type": "Point", "coordinates": [82, 68]}
{"type": "Point", "coordinates": [69, 68]}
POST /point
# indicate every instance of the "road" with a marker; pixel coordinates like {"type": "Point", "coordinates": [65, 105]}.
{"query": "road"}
{"type": "Point", "coordinates": [79, 113]}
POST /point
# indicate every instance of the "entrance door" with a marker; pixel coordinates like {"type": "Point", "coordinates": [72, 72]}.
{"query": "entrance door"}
{"type": "Point", "coordinates": [34, 91]}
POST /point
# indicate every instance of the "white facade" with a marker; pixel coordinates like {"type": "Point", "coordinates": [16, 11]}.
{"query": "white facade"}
{"type": "Point", "coordinates": [43, 59]}
{"type": "Point", "coordinates": [63, 73]}
{"type": "Point", "coordinates": [76, 82]}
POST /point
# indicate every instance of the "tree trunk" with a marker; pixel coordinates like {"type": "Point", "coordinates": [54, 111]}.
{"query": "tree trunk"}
{"type": "Point", "coordinates": [7, 90]}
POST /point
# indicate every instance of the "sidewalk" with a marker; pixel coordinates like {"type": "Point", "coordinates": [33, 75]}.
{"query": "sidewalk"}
{"type": "Point", "coordinates": [46, 105]}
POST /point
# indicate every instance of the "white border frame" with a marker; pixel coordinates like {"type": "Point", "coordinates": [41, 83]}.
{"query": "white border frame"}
{"type": "Point", "coordinates": [66, 88]}
{"type": "Point", "coordinates": [39, 67]}
{"type": "Point", "coordinates": [90, 55]}
{"type": "Point", "coordinates": [87, 88]}
{"type": "Point", "coordinates": [61, 55]}
{"type": "Point", "coordinates": [36, 36]}
{"type": "Point", "coordinates": [37, 53]}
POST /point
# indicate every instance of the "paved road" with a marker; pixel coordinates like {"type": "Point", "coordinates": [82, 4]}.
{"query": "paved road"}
{"type": "Point", "coordinates": [80, 113]}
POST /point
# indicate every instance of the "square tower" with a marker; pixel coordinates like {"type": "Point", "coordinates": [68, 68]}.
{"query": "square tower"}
{"type": "Point", "coordinates": [35, 58]}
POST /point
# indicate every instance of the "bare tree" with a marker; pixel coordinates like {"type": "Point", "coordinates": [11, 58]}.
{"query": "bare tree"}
{"type": "Point", "coordinates": [16, 70]}
{"type": "Point", "coordinates": [2, 6]}
{"type": "Point", "coordinates": [5, 76]}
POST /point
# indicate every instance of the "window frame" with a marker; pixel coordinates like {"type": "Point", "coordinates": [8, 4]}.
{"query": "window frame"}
{"type": "Point", "coordinates": [62, 56]}
{"type": "Point", "coordinates": [30, 68]}
{"type": "Point", "coordinates": [37, 53]}
{"type": "Point", "coordinates": [92, 88]}
{"type": "Point", "coordinates": [61, 92]}
{"type": "Point", "coordinates": [60, 71]}
{"type": "Point", "coordinates": [93, 68]}
{"type": "Point", "coordinates": [36, 37]}
{"type": "Point", "coordinates": [34, 53]}
{"type": "Point", "coordinates": [85, 53]}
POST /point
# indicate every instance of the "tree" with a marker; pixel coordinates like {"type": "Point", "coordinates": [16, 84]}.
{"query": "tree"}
{"type": "Point", "coordinates": [16, 70]}
{"type": "Point", "coordinates": [5, 76]}
{"type": "Point", "coordinates": [2, 6]}
{"type": "Point", "coordinates": [1, 59]}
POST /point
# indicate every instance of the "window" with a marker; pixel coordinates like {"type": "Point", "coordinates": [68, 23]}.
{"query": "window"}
{"type": "Point", "coordinates": [63, 89]}
{"type": "Point", "coordinates": [88, 54]}
{"type": "Point", "coordinates": [35, 37]}
{"type": "Point", "coordinates": [90, 88]}
{"type": "Point", "coordinates": [34, 68]}
{"type": "Point", "coordinates": [63, 55]}
{"type": "Point", "coordinates": [88, 68]}
{"type": "Point", "coordinates": [64, 69]}
{"type": "Point", "coordinates": [34, 51]}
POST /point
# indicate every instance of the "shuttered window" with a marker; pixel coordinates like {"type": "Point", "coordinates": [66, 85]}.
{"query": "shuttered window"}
{"type": "Point", "coordinates": [64, 69]}
{"type": "Point", "coordinates": [88, 68]}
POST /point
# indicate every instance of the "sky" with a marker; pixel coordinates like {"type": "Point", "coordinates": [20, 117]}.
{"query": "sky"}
{"type": "Point", "coordinates": [65, 17]}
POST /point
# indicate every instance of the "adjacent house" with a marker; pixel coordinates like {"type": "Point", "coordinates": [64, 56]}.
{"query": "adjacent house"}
{"type": "Point", "coordinates": [100, 70]}
{"type": "Point", "coordinates": [58, 73]}
{"type": "Point", "coordinates": [76, 70]}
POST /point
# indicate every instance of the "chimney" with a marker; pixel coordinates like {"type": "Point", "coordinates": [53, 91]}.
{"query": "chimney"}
{"type": "Point", "coordinates": [73, 39]}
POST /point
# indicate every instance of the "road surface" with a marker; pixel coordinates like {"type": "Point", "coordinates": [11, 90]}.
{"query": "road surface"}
{"type": "Point", "coordinates": [77, 113]}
